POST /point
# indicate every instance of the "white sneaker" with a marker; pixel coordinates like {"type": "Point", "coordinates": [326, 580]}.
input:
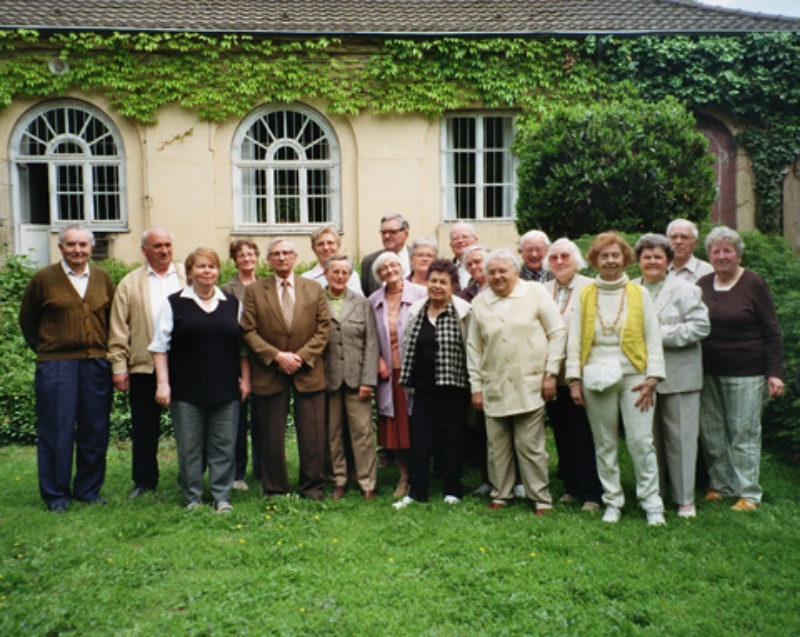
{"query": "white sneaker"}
{"type": "Point", "coordinates": [519, 491]}
{"type": "Point", "coordinates": [655, 518]}
{"type": "Point", "coordinates": [403, 502]}
{"type": "Point", "coordinates": [240, 485]}
{"type": "Point", "coordinates": [612, 514]}
{"type": "Point", "coordinates": [484, 489]}
{"type": "Point", "coordinates": [687, 511]}
{"type": "Point", "coordinates": [193, 505]}
{"type": "Point", "coordinates": [451, 499]}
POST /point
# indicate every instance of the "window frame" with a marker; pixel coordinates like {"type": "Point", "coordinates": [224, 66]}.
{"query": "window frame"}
{"type": "Point", "coordinates": [480, 151]}
{"type": "Point", "coordinates": [270, 166]}
{"type": "Point", "coordinates": [84, 160]}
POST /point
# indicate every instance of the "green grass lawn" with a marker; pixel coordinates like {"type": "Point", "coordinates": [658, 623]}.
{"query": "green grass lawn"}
{"type": "Point", "coordinates": [291, 566]}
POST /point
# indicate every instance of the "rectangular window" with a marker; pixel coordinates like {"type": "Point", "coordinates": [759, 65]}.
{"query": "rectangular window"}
{"type": "Point", "coordinates": [479, 171]}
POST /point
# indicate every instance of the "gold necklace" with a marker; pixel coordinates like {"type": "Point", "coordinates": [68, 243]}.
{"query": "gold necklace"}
{"type": "Point", "coordinates": [608, 330]}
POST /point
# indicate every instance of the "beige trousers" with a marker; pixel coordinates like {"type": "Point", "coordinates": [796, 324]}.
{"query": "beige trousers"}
{"type": "Point", "coordinates": [344, 403]}
{"type": "Point", "coordinates": [523, 433]}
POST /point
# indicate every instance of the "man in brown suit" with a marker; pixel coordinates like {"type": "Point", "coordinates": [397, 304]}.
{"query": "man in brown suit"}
{"type": "Point", "coordinates": [286, 322]}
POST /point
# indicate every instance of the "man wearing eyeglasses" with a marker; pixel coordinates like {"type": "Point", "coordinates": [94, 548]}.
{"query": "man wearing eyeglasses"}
{"type": "Point", "coordinates": [394, 234]}
{"type": "Point", "coordinates": [286, 322]}
{"type": "Point", "coordinates": [683, 237]}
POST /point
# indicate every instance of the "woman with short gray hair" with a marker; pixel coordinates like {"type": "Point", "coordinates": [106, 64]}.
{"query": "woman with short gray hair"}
{"type": "Point", "coordinates": [742, 361]}
{"type": "Point", "coordinates": [423, 252]}
{"type": "Point", "coordinates": [683, 319]}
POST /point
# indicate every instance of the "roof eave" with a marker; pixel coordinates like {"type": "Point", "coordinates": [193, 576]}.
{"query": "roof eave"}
{"type": "Point", "coordinates": [401, 34]}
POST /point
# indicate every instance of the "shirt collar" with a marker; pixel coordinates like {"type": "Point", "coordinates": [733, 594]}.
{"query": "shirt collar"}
{"type": "Point", "coordinates": [189, 293]}
{"type": "Point", "coordinates": [289, 278]}
{"type": "Point", "coordinates": [170, 270]}
{"type": "Point", "coordinates": [70, 272]}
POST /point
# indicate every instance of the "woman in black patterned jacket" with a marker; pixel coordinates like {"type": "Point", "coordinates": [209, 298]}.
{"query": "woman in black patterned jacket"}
{"type": "Point", "coordinates": [435, 368]}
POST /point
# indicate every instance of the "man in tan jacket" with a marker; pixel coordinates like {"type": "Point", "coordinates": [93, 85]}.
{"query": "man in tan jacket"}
{"type": "Point", "coordinates": [286, 323]}
{"type": "Point", "coordinates": [137, 302]}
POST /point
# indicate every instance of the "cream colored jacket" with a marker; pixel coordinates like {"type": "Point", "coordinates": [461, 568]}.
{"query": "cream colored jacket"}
{"type": "Point", "coordinates": [131, 323]}
{"type": "Point", "coordinates": [512, 342]}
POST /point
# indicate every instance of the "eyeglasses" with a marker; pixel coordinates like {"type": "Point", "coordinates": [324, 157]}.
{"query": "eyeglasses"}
{"type": "Point", "coordinates": [391, 231]}
{"type": "Point", "coordinates": [282, 253]}
{"type": "Point", "coordinates": [682, 237]}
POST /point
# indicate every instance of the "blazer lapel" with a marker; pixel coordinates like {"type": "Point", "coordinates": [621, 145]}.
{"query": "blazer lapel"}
{"type": "Point", "coordinates": [274, 301]}
{"type": "Point", "coordinates": [347, 307]}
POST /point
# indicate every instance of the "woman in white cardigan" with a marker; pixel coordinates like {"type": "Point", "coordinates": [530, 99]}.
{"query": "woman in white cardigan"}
{"type": "Point", "coordinates": [684, 323]}
{"type": "Point", "coordinates": [614, 362]}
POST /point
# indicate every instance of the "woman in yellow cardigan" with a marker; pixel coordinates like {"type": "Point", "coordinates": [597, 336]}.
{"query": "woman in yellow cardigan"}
{"type": "Point", "coordinates": [614, 362]}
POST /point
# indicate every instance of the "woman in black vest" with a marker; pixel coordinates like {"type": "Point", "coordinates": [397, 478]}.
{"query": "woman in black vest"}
{"type": "Point", "coordinates": [202, 375]}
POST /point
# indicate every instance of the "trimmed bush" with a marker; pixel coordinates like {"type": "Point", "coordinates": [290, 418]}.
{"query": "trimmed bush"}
{"type": "Point", "coordinates": [630, 166]}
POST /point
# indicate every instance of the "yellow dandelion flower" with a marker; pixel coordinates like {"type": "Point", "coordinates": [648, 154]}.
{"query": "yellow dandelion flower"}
{"type": "Point", "coordinates": [280, 526]}
{"type": "Point", "coordinates": [16, 543]}
{"type": "Point", "coordinates": [19, 556]}
{"type": "Point", "coordinates": [482, 550]}
{"type": "Point", "coordinates": [241, 541]}
{"type": "Point", "coordinates": [109, 560]}
{"type": "Point", "coordinates": [533, 554]}
{"type": "Point", "coordinates": [316, 517]}
{"type": "Point", "coordinates": [302, 610]}
{"type": "Point", "coordinates": [267, 517]}
{"type": "Point", "coordinates": [391, 559]}
{"type": "Point", "coordinates": [335, 540]}
{"type": "Point", "coordinates": [299, 545]}
{"type": "Point", "coordinates": [278, 542]}
{"type": "Point", "coordinates": [569, 561]}
{"type": "Point", "coordinates": [239, 526]}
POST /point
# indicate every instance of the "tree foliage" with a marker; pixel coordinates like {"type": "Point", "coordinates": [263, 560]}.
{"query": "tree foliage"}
{"type": "Point", "coordinates": [627, 165]}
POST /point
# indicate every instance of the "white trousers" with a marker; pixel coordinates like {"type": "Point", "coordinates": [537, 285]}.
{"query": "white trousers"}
{"type": "Point", "coordinates": [603, 409]}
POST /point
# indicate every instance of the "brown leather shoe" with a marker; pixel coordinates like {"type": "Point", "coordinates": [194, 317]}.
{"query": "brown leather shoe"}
{"type": "Point", "coordinates": [497, 504]}
{"type": "Point", "coordinates": [338, 493]}
{"type": "Point", "coordinates": [543, 510]}
{"type": "Point", "coordinates": [370, 494]}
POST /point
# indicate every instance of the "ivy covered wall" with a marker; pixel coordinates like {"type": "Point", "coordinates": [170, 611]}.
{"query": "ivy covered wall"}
{"type": "Point", "coordinates": [754, 78]}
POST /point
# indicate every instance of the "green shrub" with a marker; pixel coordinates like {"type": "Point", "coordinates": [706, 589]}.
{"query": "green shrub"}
{"type": "Point", "coordinates": [17, 416]}
{"type": "Point", "coordinates": [631, 166]}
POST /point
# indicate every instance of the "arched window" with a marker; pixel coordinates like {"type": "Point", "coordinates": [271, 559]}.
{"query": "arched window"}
{"type": "Point", "coordinates": [68, 167]}
{"type": "Point", "coordinates": [286, 171]}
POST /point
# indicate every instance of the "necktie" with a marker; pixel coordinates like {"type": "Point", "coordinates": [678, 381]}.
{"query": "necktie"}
{"type": "Point", "coordinates": [287, 304]}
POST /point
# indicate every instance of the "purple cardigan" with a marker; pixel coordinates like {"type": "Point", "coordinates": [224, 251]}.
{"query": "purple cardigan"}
{"type": "Point", "coordinates": [411, 293]}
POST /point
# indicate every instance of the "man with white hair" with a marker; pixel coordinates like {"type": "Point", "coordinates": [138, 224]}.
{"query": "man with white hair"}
{"type": "Point", "coordinates": [64, 319]}
{"type": "Point", "coordinates": [462, 235]}
{"type": "Point", "coordinates": [137, 302]}
{"type": "Point", "coordinates": [533, 246]}
{"type": "Point", "coordinates": [683, 237]}
{"type": "Point", "coordinates": [286, 323]}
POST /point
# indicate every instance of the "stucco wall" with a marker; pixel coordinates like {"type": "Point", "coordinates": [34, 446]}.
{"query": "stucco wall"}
{"type": "Point", "coordinates": [179, 175]}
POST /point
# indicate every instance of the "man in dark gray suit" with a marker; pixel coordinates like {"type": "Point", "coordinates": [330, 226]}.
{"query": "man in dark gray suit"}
{"type": "Point", "coordinates": [394, 234]}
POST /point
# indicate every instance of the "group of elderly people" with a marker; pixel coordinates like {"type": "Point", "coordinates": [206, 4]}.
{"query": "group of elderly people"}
{"type": "Point", "coordinates": [688, 351]}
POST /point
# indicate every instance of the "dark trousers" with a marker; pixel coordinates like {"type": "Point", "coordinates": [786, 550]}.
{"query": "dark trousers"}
{"type": "Point", "coordinates": [245, 420]}
{"type": "Point", "coordinates": [309, 421]}
{"type": "Point", "coordinates": [73, 401]}
{"type": "Point", "coordinates": [145, 430]}
{"type": "Point", "coordinates": [437, 421]}
{"type": "Point", "coordinates": [575, 446]}
{"type": "Point", "coordinates": [475, 436]}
